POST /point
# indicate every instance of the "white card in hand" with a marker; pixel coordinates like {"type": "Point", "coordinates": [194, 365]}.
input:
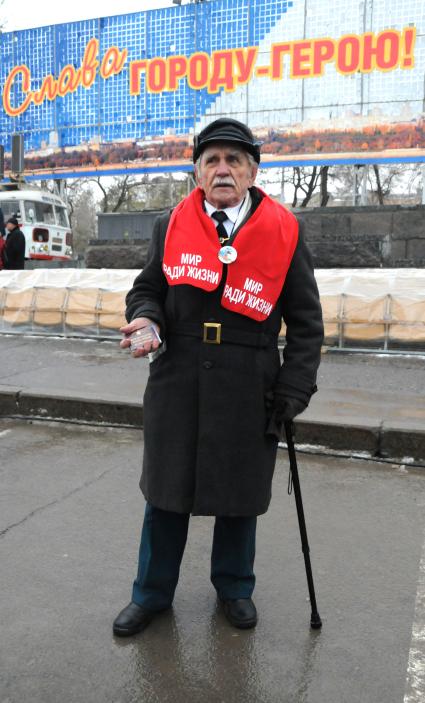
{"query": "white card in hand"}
{"type": "Point", "coordinates": [142, 336]}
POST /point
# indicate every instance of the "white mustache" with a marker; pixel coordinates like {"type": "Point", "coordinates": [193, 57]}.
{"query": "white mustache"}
{"type": "Point", "coordinates": [223, 182]}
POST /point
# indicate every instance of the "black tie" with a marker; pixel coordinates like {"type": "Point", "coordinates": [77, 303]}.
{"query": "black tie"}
{"type": "Point", "coordinates": [221, 217]}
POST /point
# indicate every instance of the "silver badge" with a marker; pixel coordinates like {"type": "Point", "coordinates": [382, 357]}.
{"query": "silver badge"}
{"type": "Point", "coordinates": [227, 255]}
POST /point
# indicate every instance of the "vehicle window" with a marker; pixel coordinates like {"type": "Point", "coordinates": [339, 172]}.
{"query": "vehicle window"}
{"type": "Point", "coordinates": [62, 216]}
{"type": "Point", "coordinates": [30, 205]}
{"type": "Point", "coordinates": [10, 209]}
{"type": "Point", "coordinates": [43, 212]}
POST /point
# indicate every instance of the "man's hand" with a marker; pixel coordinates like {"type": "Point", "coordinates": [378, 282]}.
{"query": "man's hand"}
{"type": "Point", "coordinates": [288, 408]}
{"type": "Point", "coordinates": [285, 408]}
{"type": "Point", "coordinates": [136, 324]}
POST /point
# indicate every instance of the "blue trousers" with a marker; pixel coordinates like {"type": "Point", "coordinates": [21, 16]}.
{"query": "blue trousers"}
{"type": "Point", "coordinates": [162, 544]}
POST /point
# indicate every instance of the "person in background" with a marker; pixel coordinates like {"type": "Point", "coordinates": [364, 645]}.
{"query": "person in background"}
{"type": "Point", "coordinates": [2, 238]}
{"type": "Point", "coordinates": [2, 228]}
{"type": "Point", "coordinates": [14, 249]}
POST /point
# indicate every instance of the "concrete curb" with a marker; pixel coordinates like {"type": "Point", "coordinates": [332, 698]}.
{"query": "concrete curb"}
{"type": "Point", "coordinates": [380, 440]}
{"type": "Point", "coordinates": [21, 404]}
{"type": "Point", "coordinates": [341, 436]}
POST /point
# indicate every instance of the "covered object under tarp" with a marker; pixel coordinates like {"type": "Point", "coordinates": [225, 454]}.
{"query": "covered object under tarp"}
{"type": "Point", "coordinates": [371, 307]}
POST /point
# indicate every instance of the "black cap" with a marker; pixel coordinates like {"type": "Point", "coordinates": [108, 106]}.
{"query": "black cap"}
{"type": "Point", "coordinates": [226, 130]}
{"type": "Point", "coordinates": [12, 221]}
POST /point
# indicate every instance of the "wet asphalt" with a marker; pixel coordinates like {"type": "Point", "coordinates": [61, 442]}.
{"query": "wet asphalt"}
{"type": "Point", "coordinates": [70, 519]}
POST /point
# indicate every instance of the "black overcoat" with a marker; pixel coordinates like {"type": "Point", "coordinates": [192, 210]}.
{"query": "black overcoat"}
{"type": "Point", "coordinates": [205, 406]}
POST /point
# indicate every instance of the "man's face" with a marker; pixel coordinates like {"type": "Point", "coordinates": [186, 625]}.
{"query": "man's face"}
{"type": "Point", "coordinates": [225, 174]}
{"type": "Point", "coordinates": [10, 226]}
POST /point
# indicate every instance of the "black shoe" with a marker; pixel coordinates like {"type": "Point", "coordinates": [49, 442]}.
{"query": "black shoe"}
{"type": "Point", "coordinates": [241, 613]}
{"type": "Point", "coordinates": [131, 620]}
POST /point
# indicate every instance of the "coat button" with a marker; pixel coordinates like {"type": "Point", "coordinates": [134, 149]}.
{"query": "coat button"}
{"type": "Point", "coordinates": [207, 364]}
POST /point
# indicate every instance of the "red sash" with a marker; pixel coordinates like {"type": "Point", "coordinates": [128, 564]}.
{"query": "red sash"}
{"type": "Point", "coordinates": [265, 245]}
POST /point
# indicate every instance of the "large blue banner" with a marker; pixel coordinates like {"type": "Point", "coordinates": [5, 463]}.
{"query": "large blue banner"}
{"type": "Point", "coordinates": [316, 81]}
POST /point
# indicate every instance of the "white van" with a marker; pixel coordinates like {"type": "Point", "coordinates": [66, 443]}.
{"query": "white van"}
{"type": "Point", "coordinates": [43, 218]}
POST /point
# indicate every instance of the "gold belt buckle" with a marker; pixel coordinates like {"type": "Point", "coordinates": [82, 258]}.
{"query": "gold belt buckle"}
{"type": "Point", "coordinates": [212, 333]}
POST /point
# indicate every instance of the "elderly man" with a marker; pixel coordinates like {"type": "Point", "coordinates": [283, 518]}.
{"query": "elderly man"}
{"type": "Point", "coordinates": [223, 271]}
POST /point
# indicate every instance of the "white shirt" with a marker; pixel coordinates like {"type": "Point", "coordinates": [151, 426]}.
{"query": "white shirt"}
{"type": "Point", "coordinates": [235, 214]}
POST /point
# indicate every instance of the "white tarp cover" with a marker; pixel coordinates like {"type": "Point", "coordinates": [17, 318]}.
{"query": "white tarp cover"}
{"type": "Point", "coordinates": [357, 304]}
{"type": "Point", "coordinates": [373, 303]}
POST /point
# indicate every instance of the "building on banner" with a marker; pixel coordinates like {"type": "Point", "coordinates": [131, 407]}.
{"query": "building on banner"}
{"type": "Point", "coordinates": [318, 82]}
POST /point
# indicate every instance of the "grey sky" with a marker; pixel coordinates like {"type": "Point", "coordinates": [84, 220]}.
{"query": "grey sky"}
{"type": "Point", "coordinates": [24, 14]}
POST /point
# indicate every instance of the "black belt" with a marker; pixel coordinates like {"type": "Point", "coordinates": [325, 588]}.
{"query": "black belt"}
{"type": "Point", "coordinates": [216, 333]}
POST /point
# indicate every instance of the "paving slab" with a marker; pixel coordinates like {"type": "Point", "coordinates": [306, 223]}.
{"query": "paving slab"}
{"type": "Point", "coordinates": [369, 402]}
{"type": "Point", "coordinates": [70, 519]}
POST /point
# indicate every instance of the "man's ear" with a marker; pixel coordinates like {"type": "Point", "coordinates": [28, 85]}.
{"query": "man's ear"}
{"type": "Point", "coordinates": [197, 176]}
{"type": "Point", "coordinates": [254, 173]}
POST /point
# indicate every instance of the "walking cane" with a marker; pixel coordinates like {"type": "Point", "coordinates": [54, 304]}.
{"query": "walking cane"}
{"type": "Point", "coordinates": [315, 621]}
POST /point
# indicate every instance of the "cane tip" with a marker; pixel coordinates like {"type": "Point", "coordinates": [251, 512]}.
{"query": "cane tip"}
{"type": "Point", "coordinates": [315, 622]}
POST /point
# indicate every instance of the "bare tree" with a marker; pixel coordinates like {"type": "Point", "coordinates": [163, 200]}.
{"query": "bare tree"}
{"type": "Point", "coordinates": [123, 194]}
{"type": "Point", "coordinates": [386, 184]}
{"type": "Point", "coordinates": [304, 182]}
{"type": "Point", "coordinates": [324, 193]}
{"type": "Point", "coordinates": [82, 209]}
{"type": "Point", "coordinates": [379, 191]}
{"type": "Point", "coordinates": [395, 183]}
{"type": "Point", "coordinates": [297, 183]}
{"type": "Point", "coordinates": [129, 193]}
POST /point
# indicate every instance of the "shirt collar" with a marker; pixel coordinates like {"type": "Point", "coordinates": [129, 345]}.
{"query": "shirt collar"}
{"type": "Point", "coordinates": [231, 212]}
